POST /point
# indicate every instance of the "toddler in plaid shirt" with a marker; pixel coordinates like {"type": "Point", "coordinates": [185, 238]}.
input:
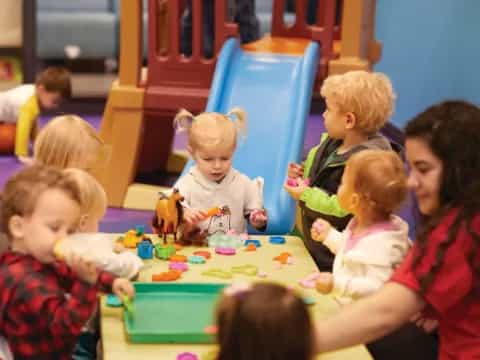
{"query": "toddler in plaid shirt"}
{"type": "Point", "coordinates": [39, 206]}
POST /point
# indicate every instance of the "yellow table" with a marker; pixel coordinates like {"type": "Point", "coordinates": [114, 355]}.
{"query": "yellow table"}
{"type": "Point", "coordinates": [115, 345]}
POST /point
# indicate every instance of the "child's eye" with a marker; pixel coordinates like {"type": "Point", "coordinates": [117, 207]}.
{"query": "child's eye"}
{"type": "Point", "coordinates": [225, 158]}
{"type": "Point", "coordinates": [207, 159]}
{"type": "Point", "coordinates": [54, 228]}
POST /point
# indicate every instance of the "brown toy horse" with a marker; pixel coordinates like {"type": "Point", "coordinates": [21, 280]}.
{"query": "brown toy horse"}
{"type": "Point", "coordinates": [168, 215]}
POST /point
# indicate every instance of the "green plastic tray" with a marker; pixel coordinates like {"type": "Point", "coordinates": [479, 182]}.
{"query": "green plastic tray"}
{"type": "Point", "coordinates": [172, 313]}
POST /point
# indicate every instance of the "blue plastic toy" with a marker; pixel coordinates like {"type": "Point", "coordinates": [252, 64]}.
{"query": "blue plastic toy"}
{"type": "Point", "coordinates": [277, 240]}
{"type": "Point", "coordinates": [145, 249]}
{"type": "Point", "coordinates": [113, 300]}
{"type": "Point", "coordinates": [255, 242]}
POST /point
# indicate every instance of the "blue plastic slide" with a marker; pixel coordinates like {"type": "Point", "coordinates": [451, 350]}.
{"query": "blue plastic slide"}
{"type": "Point", "coordinates": [275, 90]}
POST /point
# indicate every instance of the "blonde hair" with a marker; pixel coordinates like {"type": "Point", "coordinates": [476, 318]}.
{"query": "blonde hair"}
{"type": "Point", "coordinates": [368, 95]}
{"type": "Point", "coordinates": [93, 199]}
{"type": "Point", "coordinates": [212, 129]}
{"type": "Point", "coordinates": [66, 141]}
{"type": "Point", "coordinates": [379, 177]}
{"type": "Point", "coordinates": [21, 192]}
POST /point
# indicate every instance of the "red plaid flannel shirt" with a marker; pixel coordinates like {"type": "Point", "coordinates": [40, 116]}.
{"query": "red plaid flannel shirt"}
{"type": "Point", "coordinates": [37, 317]}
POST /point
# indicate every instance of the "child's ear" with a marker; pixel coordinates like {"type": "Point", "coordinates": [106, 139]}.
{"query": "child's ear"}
{"type": "Point", "coordinates": [354, 202]}
{"type": "Point", "coordinates": [190, 150]}
{"type": "Point", "coordinates": [16, 225]}
{"type": "Point", "coordinates": [81, 223]}
{"type": "Point", "coordinates": [351, 120]}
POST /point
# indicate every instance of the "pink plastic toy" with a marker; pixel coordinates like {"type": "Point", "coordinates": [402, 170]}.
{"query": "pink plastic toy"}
{"type": "Point", "coordinates": [187, 356]}
{"type": "Point", "coordinates": [179, 266]}
{"type": "Point", "coordinates": [296, 182]}
{"type": "Point", "coordinates": [310, 280]}
{"type": "Point", "coordinates": [225, 251]}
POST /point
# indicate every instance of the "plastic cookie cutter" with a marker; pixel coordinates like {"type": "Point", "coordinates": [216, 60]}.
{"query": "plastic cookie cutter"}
{"type": "Point", "coordinates": [277, 240]}
{"type": "Point", "coordinates": [178, 258]}
{"type": "Point", "coordinates": [206, 254]}
{"type": "Point", "coordinates": [255, 242]}
{"type": "Point", "coordinates": [225, 251]}
{"type": "Point", "coordinates": [179, 266]}
{"type": "Point", "coordinates": [164, 252]}
{"type": "Point", "coordinates": [171, 275]}
{"type": "Point", "coordinates": [310, 280]}
{"type": "Point", "coordinates": [187, 356]}
{"type": "Point", "coordinates": [113, 300]}
{"type": "Point", "coordinates": [250, 247]}
{"type": "Point", "coordinates": [218, 273]}
{"type": "Point", "coordinates": [248, 269]}
{"type": "Point", "coordinates": [128, 305]}
{"type": "Point", "coordinates": [283, 258]}
{"type": "Point", "coordinates": [196, 259]}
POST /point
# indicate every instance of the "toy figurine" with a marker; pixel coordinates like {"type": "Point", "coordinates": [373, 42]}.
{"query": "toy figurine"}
{"type": "Point", "coordinates": [168, 215]}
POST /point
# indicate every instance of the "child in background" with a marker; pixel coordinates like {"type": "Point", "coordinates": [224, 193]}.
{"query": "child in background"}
{"type": "Point", "coordinates": [375, 241]}
{"type": "Point", "coordinates": [23, 104]}
{"type": "Point", "coordinates": [263, 321]}
{"type": "Point", "coordinates": [441, 274]}
{"type": "Point", "coordinates": [39, 206]}
{"type": "Point", "coordinates": [358, 104]}
{"type": "Point", "coordinates": [69, 141]}
{"type": "Point", "coordinates": [212, 182]}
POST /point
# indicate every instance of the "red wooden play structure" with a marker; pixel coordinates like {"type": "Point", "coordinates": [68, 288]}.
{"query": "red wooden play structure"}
{"type": "Point", "coordinates": [137, 123]}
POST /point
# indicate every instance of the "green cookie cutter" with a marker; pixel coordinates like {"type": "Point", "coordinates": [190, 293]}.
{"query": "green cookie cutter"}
{"type": "Point", "coordinates": [248, 269]}
{"type": "Point", "coordinates": [218, 273]}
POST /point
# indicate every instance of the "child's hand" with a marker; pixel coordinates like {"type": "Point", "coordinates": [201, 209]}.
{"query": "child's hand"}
{"type": "Point", "coordinates": [122, 287]}
{"type": "Point", "coordinates": [324, 283]}
{"type": "Point", "coordinates": [295, 191]}
{"type": "Point", "coordinates": [320, 229]}
{"type": "Point", "coordinates": [193, 216]}
{"type": "Point", "coordinates": [85, 270]}
{"type": "Point", "coordinates": [258, 218]}
{"type": "Point", "coordinates": [27, 160]}
{"type": "Point", "coordinates": [295, 171]}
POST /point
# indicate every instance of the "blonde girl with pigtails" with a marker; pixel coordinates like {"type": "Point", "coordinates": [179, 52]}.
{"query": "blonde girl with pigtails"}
{"type": "Point", "coordinates": [212, 182]}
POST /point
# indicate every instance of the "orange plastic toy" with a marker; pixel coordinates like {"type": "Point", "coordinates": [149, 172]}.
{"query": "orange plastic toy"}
{"type": "Point", "coordinates": [204, 253]}
{"type": "Point", "coordinates": [171, 275]}
{"type": "Point", "coordinates": [213, 211]}
{"type": "Point", "coordinates": [283, 257]}
{"type": "Point", "coordinates": [178, 258]}
{"type": "Point", "coordinates": [251, 247]}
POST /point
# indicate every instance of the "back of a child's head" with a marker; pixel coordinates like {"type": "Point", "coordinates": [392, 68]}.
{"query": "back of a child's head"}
{"type": "Point", "coordinates": [368, 95]}
{"type": "Point", "coordinates": [22, 191]}
{"type": "Point", "coordinates": [56, 79]}
{"type": "Point", "coordinates": [379, 177]}
{"type": "Point", "coordinates": [210, 129]}
{"type": "Point", "coordinates": [93, 199]}
{"type": "Point", "coordinates": [68, 141]}
{"type": "Point", "coordinates": [264, 322]}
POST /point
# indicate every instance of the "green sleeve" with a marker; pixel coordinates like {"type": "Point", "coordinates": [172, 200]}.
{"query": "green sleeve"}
{"type": "Point", "coordinates": [318, 200]}
{"type": "Point", "coordinates": [307, 166]}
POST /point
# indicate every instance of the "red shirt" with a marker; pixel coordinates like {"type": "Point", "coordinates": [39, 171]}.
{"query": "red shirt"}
{"type": "Point", "coordinates": [37, 317]}
{"type": "Point", "coordinates": [450, 296]}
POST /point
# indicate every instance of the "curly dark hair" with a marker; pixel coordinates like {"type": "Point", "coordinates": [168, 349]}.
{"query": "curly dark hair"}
{"type": "Point", "coordinates": [452, 131]}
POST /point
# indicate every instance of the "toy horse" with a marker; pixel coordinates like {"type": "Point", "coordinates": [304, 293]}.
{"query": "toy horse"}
{"type": "Point", "coordinates": [168, 215]}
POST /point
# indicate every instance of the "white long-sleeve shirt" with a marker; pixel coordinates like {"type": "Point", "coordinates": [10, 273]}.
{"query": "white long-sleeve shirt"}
{"type": "Point", "coordinates": [236, 191]}
{"type": "Point", "coordinates": [364, 262]}
{"type": "Point", "coordinates": [12, 100]}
